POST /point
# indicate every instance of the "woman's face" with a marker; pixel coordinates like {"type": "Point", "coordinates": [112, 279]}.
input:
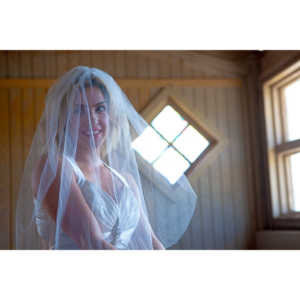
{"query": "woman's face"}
{"type": "Point", "coordinates": [91, 111]}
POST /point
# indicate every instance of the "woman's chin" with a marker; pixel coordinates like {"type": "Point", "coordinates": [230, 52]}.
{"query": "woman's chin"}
{"type": "Point", "coordinates": [87, 142]}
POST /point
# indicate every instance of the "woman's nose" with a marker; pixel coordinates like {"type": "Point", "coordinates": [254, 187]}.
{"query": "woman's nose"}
{"type": "Point", "coordinates": [94, 118]}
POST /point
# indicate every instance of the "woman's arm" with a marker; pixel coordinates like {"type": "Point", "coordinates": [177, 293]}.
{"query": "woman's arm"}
{"type": "Point", "coordinates": [78, 220]}
{"type": "Point", "coordinates": [157, 245]}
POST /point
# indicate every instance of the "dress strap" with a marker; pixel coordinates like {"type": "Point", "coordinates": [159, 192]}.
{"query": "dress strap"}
{"type": "Point", "coordinates": [117, 174]}
{"type": "Point", "coordinates": [81, 176]}
{"type": "Point", "coordinates": [77, 170]}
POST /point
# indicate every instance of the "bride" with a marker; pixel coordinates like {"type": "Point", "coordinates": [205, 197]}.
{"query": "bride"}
{"type": "Point", "coordinates": [83, 187]}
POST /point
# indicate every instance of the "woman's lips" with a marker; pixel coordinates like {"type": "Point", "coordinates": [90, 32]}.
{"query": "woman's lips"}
{"type": "Point", "coordinates": [95, 133]}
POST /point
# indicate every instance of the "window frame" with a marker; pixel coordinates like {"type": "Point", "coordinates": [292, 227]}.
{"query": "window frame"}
{"type": "Point", "coordinates": [169, 96]}
{"type": "Point", "coordinates": [278, 148]}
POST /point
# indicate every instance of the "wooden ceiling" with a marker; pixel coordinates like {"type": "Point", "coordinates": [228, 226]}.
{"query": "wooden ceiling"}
{"type": "Point", "coordinates": [232, 55]}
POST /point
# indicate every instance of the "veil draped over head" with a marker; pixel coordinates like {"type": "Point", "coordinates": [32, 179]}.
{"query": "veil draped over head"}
{"type": "Point", "coordinates": [84, 186]}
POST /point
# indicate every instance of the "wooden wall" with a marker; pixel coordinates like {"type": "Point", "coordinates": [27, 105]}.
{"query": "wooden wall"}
{"type": "Point", "coordinates": [225, 217]}
{"type": "Point", "coordinates": [274, 61]}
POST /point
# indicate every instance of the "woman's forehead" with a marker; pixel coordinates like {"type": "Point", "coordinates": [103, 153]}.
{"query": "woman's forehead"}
{"type": "Point", "coordinates": [91, 95]}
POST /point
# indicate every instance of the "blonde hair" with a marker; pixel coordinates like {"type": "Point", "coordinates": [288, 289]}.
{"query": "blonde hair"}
{"type": "Point", "coordinates": [114, 130]}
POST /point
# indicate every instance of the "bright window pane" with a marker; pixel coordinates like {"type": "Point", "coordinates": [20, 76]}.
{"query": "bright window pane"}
{"type": "Point", "coordinates": [295, 170]}
{"type": "Point", "coordinates": [149, 144]}
{"type": "Point", "coordinates": [191, 143]}
{"type": "Point", "coordinates": [292, 96]}
{"type": "Point", "coordinates": [169, 123]}
{"type": "Point", "coordinates": [171, 164]}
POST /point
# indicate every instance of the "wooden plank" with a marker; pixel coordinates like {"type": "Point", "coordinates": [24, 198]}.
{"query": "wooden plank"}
{"type": "Point", "coordinates": [38, 65]}
{"type": "Point", "coordinates": [209, 238]}
{"type": "Point", "coordinates": [288, 147]}
{"type": "Point", "coordinates": [214, 177]}
{"type": "Point", "coordinates": [198, 233]}
{"type": "Point", "coordinates": [153, 73]}
{"type": "Point", "coordinates": [164, 69]}
{"type": "Point", "coordinates": [61, 63]}
{"type": "Point", "coordinates": [248, 167]}
{"type": "Point", "coordinates": [131, 83]}
{"type": "Point", "coordinates": [25, 64]}
{"type": "Point", "coordinates": [243, 210]}
{"type": "Point", "coordinates": [230, 230]}
{"type": "Point", "coordinates": [13, 66]}
{"type": "Point", "coordinates": [176, 70]}
{"type": "Point", "coordinates": [84, 59]}
{"type": "Point", "coordinates": [97, 60]}
{"type": "Point", "coordinates": [144, 98]}
{"type": "Point", "coordinates": [119, 62]}
{"type": "Point", "coordinates": [15, 102]}
{"type": "Point", "coordinates": [28, 113]}
{"type": "Point", "coordinates": [5, 177]}
{"type": "Point", "coordinates": [278, 63]}
{"type": "Point", "coordinates": [271, 153]}
{"type": "Point", "coordinates": [50, 64]}
{"type": "Point", "coordinates": [131, 91]}
{"type": "Point", "coordinates": [3, 64]}
{"type": "Point", "coordinates": [73, 60]}
{"type": "Point", "coordinates": [131, 68]}
{"type": "Point", "coordinates": [108, 63]}
{"type": "Point", "coordinates": [198, 62]}
{"type": "Point", "coordinates": [219, 97]}
{"type": "Point", "coordinates": [186, 241]}
{"type": "Point", "coordinates": [235, 167]}
{"type": "Point", "coordinates": [16, 161]}
{"type": "Point", "coordinates": [180, 82]}
{"type": "Point", "coordinates": [40, 97]}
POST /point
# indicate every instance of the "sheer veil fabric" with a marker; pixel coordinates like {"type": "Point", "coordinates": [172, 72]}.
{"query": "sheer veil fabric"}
{"type": "Point", "coordinates": [84, 186]}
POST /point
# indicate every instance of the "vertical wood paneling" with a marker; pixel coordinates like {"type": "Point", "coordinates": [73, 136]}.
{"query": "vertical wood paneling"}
{"type": "Point", "coordinates": [16, 139]}
{"type": "Point", "coordinates": [198, 222]}
{"type": "Point", "coordinates": [229, 227]}
{"type": "Point", "coordinates": [238, 173]}
{"type": "Point", "coordinates": [14, 64]}
{"type": "Point", "coordinates": [205, 183]}
{"type": "Point", "coordinates": [119, 65]}
{"type": "Point", "coordinates": [250, 205]}
{"type": "Point", "coordinates": [225, 211]}
{"type": "Point", "coordinates": [195, 227]}
{"type": "Point", "coordinates": [16, 142]}
{"type": "Point", "coordinates": [26, 64]}
{"type": "Point", "coordinates": [85, 59]}
{"type": "Point", "coordinates": [39, 103]}
{"type": "Point", "coordinates": [61, 63]}
{"type": "Point", "coordinates": [131, 72]}
{"type": "Point", "coordinates": [50, 65]}
{"type": "Point", "coordinates": [28, 118]}
{"type": "Point", "coordinates": [217, 173]}
{"type": "Point", "coordinates": [73, 61]}
{"type": "Point", "coordinates": [5, 177]}
{"type": "Point", "coordinates": [3, 64]}
{"type": "Point", "coordinates": [38, 65]}
{"type": "Point", "coordinates": [108, 63]}
{"type": "Point", "coordinates": [97, 60]}
{"type": "Point", "coordinates": [214, 178]}
{"type": "Point", "coordinates": [153, 73]}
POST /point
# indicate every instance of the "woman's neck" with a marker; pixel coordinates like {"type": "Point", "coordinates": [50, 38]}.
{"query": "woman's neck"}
{"type": "Point", "coordinates": [87, 160]}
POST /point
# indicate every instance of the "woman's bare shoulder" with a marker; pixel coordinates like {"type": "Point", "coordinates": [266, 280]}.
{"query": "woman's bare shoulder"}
{"type": "Point", "coordinates": [38, 170]}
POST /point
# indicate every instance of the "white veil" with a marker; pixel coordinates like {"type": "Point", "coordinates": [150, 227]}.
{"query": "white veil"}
{"type": "Point", "coordinates": [84, 186]}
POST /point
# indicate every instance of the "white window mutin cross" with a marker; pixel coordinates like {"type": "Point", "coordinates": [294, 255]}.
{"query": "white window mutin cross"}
{"type": "Point", "coordinates": [175, 141]}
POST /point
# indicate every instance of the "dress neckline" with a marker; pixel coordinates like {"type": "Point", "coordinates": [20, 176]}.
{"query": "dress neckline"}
{"type": "Point", "coordinates": [83, 177]}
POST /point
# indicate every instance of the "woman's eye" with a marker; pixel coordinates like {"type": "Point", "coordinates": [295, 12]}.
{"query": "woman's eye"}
{"type": "Point", "coordinates": [101, 108]}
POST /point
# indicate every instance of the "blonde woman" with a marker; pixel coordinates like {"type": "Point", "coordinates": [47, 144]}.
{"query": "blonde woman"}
{"type": "Point", "coordinates": [82, 186]}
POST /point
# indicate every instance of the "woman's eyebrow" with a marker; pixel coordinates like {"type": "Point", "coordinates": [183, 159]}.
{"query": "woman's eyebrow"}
{"type": "Point", "coordinates": [102, 102]}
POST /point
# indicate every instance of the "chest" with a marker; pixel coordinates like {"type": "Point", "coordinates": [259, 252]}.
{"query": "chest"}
{"type": "Point", "coordinates": [103, 177]}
